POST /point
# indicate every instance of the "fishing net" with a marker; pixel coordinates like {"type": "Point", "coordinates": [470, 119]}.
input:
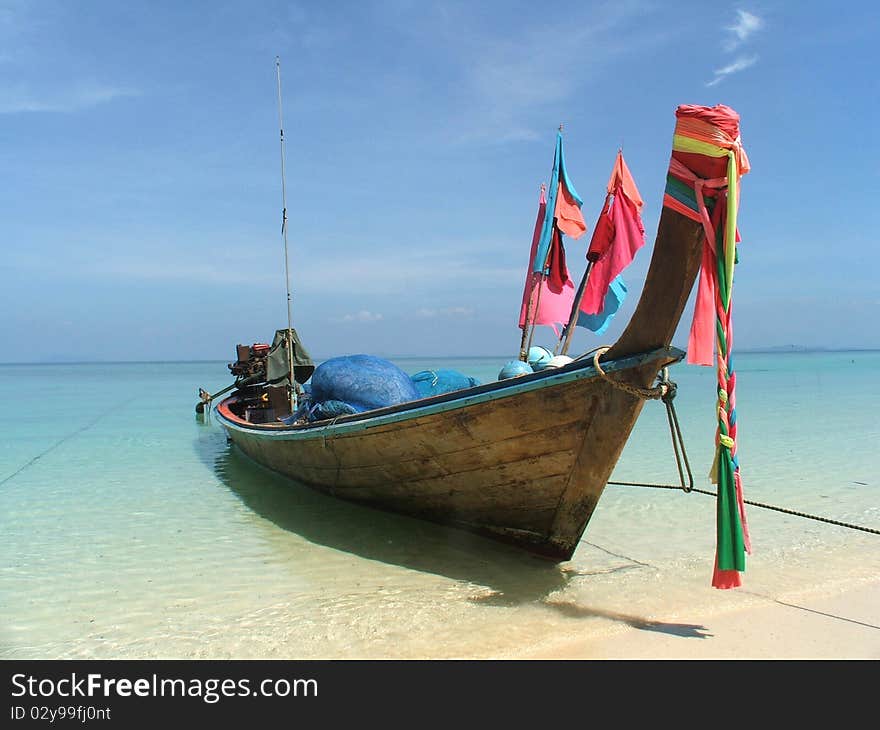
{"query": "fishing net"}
{"type": "Point", "coordinates": [357, 383]}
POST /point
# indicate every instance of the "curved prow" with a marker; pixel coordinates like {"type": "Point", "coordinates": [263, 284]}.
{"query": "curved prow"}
{"type": "Point", "coordinates": [706, 151]}
{"type": "Point", "coordinates": [678, 249]}
{"type": "Point", "coordinates": [675, 263]}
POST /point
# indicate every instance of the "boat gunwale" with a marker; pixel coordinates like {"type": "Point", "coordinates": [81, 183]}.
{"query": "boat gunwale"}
{"type": "Point", "coordinates": [445, 402]}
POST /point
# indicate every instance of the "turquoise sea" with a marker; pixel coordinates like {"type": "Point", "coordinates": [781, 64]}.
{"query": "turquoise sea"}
{"type": "Point", "coordinates": [129, 528]}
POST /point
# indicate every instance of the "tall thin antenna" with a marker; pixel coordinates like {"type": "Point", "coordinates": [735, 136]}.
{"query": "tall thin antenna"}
{"type": "Point", "coordinates": [284, 234]}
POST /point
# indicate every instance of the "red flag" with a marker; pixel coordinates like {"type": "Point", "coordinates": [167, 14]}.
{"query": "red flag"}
{"type": "Point", "coordinates": [618, 236]}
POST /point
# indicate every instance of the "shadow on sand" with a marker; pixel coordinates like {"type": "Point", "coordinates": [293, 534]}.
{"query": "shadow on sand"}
{"type": "Point", "coordinates": [512, 576]}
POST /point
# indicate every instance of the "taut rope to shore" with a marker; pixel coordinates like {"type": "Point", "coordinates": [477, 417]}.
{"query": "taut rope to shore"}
{"type": "Point", "coordinates": [754, 504]}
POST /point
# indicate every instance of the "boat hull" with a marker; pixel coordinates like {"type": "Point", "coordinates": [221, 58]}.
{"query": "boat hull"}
{"type": "Point", "coordinates": [522, 461]}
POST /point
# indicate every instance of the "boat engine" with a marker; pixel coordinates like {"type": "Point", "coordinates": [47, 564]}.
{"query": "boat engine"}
{"type": "Point", "coordinates": [250, 375]}
{"type": "Point", "coordinates": [251, 362]}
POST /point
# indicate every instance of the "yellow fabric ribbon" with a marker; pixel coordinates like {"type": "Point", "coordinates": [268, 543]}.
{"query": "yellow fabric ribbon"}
{"type": "Point", "coordinates": [736, 161]}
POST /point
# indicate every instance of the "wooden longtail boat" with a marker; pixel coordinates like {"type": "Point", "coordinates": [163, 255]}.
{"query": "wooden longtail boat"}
{"type": "Point", "coordinates": [523, 460]}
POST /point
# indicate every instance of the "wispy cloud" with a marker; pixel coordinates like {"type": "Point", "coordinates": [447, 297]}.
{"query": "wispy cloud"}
{"type": "Point", "coordinates": [505, 76]}
{"type": "Point", "coordinates": [397, 273]}
{"type": "Point", "coordinates": [90, 259]}
{"type": "Point", "coordinates": [485, 262]}
{"type": "Point", "coordinates": [746, 24]}
{"type": "Point", "coordinates": [425, 313]}
{"type": "Point", "coordinates": [36, 61]}
{"type": "Point", "coordinates": [364, 316]}
{"type": "Point", "coordinates": [21, 100]}
{"type": "Point", "coordinates": [732, 68]}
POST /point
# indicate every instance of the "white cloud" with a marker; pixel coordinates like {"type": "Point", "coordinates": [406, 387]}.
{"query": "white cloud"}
{"type": "Point", "coordinates": [425, 313]}
{"type": "Point", "coordinates": [508, 78]}
{"type": "Point", "coordinates": [93, 258]}
{"type": "Point", "coordinates": [381, 273]}
{"type": "Point", "coordinates": [738, 65]}
{"type": "Point", "coordinates": [442, 265]}
{"type": "Point", "coordinates": [362, 316]}
{"type": "Point", "coordinates": [746, 24]}
{"type": "Point", "coordinates": [81, 96]}
{"type": "Point", "coordinates": [26, 32]}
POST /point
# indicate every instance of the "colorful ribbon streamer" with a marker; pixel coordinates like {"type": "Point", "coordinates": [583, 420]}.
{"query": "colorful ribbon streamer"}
{"type": "Point", "coordinates": [707, 163]}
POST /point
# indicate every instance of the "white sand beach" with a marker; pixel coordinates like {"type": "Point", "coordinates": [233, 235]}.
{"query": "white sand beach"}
{"type": "Point", "coordinates": [813, 626]}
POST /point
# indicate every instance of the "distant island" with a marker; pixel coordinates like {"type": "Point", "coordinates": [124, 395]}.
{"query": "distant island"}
{"type": "Point", "coordinates": [776, 349]}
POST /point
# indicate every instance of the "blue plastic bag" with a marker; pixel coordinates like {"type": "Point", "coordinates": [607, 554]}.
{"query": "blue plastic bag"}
{"type": "Point", "coordinates": [443, 380]}
{"type": "Point", "coordinates": [513, 369]}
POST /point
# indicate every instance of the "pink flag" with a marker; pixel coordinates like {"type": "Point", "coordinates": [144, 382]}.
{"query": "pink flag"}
{"type": "Point", "coordinates": [618, 235]}
{"type": "Point", "coordinates": [550, 302]}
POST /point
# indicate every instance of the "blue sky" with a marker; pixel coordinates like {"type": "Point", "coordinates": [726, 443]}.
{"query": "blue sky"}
{"type": "Point", "coordinates": [140, 215]}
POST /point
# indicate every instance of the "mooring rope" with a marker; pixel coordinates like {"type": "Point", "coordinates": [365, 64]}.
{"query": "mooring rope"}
{"type": "Point", "coordinates": [675, 433]}
{"type": "Point", "coordinates": [665, 391]}
{"type": "Point", "coordinates": [753, 504]}
{"type": "Point", "coordinates": [58, 443]}
{"type": "Point", "coordinates": [656, 392]}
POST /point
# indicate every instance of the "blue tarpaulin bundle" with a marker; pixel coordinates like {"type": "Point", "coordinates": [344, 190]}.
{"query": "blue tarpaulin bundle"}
{"type": "Point", "coordinates": [513, 369]}
{"type": "Point", "coordinates": [443, 380]}
{"type": "Point", "coordinates": [356, 383]}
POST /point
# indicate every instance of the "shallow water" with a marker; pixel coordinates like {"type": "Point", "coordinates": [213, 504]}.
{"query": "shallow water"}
{"type": "Point", "coordinates": [130, 528]}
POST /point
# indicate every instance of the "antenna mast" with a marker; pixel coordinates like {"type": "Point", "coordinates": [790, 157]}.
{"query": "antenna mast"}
{"type": "Point", "coordinates": [284, 233]}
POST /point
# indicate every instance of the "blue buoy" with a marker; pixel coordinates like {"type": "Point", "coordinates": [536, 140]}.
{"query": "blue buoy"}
{"type": "Point", "coordinates": [539, 357]}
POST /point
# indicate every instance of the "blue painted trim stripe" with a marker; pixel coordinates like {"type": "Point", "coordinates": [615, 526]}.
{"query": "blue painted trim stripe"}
{"type": "Point", "coordinates": [545, 379]}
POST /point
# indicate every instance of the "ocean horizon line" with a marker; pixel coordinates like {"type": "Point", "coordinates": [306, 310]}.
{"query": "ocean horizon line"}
{"type": "Point", "coordinates": [769, 350]}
